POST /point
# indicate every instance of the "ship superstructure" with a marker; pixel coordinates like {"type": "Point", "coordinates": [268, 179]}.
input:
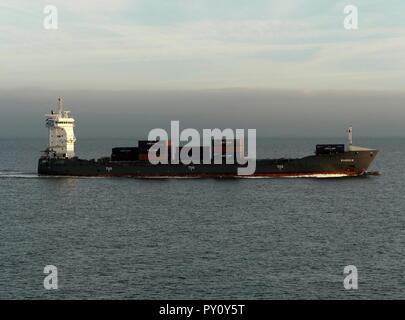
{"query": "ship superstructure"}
{"type": "Point", "coordinates": [61, 133]}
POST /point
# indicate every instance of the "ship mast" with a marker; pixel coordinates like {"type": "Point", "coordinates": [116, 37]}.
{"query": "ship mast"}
{"type": "Point", "coordinates": [60, 105]}
{"type": "Point", "coordinates": [350, 136]}
{"type": "Point", "coordinates": [349, 132]}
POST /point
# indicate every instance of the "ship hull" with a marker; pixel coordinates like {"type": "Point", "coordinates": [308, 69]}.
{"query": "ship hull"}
{"type": "Point", "coordinates": [350, 163]}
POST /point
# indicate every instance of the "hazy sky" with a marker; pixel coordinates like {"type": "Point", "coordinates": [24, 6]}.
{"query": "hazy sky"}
{"type": "Point", "coordinates": [152, 60]}
{"type": "Point", "coordinates": [272, 112]}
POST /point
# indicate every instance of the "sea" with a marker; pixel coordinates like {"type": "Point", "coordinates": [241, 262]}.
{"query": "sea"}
{"type": "Point", "coordinates": [126, 238]}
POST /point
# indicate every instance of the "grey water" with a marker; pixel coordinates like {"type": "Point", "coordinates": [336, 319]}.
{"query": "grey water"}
{"type": "Point", "coordinates": [123, 238]}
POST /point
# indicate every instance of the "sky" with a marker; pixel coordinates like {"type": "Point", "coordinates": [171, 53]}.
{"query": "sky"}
{"type": "Point", "coordinates": [166, 53]}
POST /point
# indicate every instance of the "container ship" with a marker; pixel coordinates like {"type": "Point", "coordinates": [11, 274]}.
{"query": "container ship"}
{"type": "Point", "coordinates": [59, 159]}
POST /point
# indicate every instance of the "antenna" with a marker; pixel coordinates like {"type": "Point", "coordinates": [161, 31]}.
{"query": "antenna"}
{"type": "Point", "coordinates": [350, 135]}
{"type": "Point", "coordinates": [60, 105]}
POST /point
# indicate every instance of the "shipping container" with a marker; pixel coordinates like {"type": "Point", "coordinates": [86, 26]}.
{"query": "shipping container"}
{"type": "Point", "coordinates": [146, 145]}
{"type": "Point", "coordinates": [234, 146]}
{"type": "Point", "coordinates": [330, 148]}
{"type": "Point", "coordinates": [128, 150]}
{"type": "Point", "coordinates": [147, 157]}
{"type": "Point", "coordinates": [124, 154]}
{"type": "Point", "coordinates": [195, 153]}
{"type": "Point", "coordinates": [225, 149]}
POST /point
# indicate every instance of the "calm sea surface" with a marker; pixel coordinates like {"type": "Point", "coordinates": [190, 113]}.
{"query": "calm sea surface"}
{"type": "Point", "coordinates": [124, 238]}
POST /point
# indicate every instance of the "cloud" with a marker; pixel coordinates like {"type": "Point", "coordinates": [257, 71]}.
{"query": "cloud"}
{"type": "Point", "coordinates": [93, 52]}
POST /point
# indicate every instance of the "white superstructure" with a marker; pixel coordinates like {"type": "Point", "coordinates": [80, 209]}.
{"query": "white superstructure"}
{"type": "Point", "coordinates": [61, 133]}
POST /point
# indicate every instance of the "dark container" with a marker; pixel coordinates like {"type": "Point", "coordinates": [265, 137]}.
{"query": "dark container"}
{"type": "Point", "coordinates": [124, 154]}
{"type": "Point", "coordinates": [125, 150]}
{"type": "Point", "coordinates": [233, 146]}
{"type": "Point", "coordinates": [147, 157]}
{"type": "Point", "coordinates": [145, 145]}
{"type": "Point", "coordinates": [330, 148]}
{"type": "Point", "coordinates": [204, 152]}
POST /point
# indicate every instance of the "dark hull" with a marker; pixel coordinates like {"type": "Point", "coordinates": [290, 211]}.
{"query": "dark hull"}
{"type": "Point", "coordinates": [351, 163]}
